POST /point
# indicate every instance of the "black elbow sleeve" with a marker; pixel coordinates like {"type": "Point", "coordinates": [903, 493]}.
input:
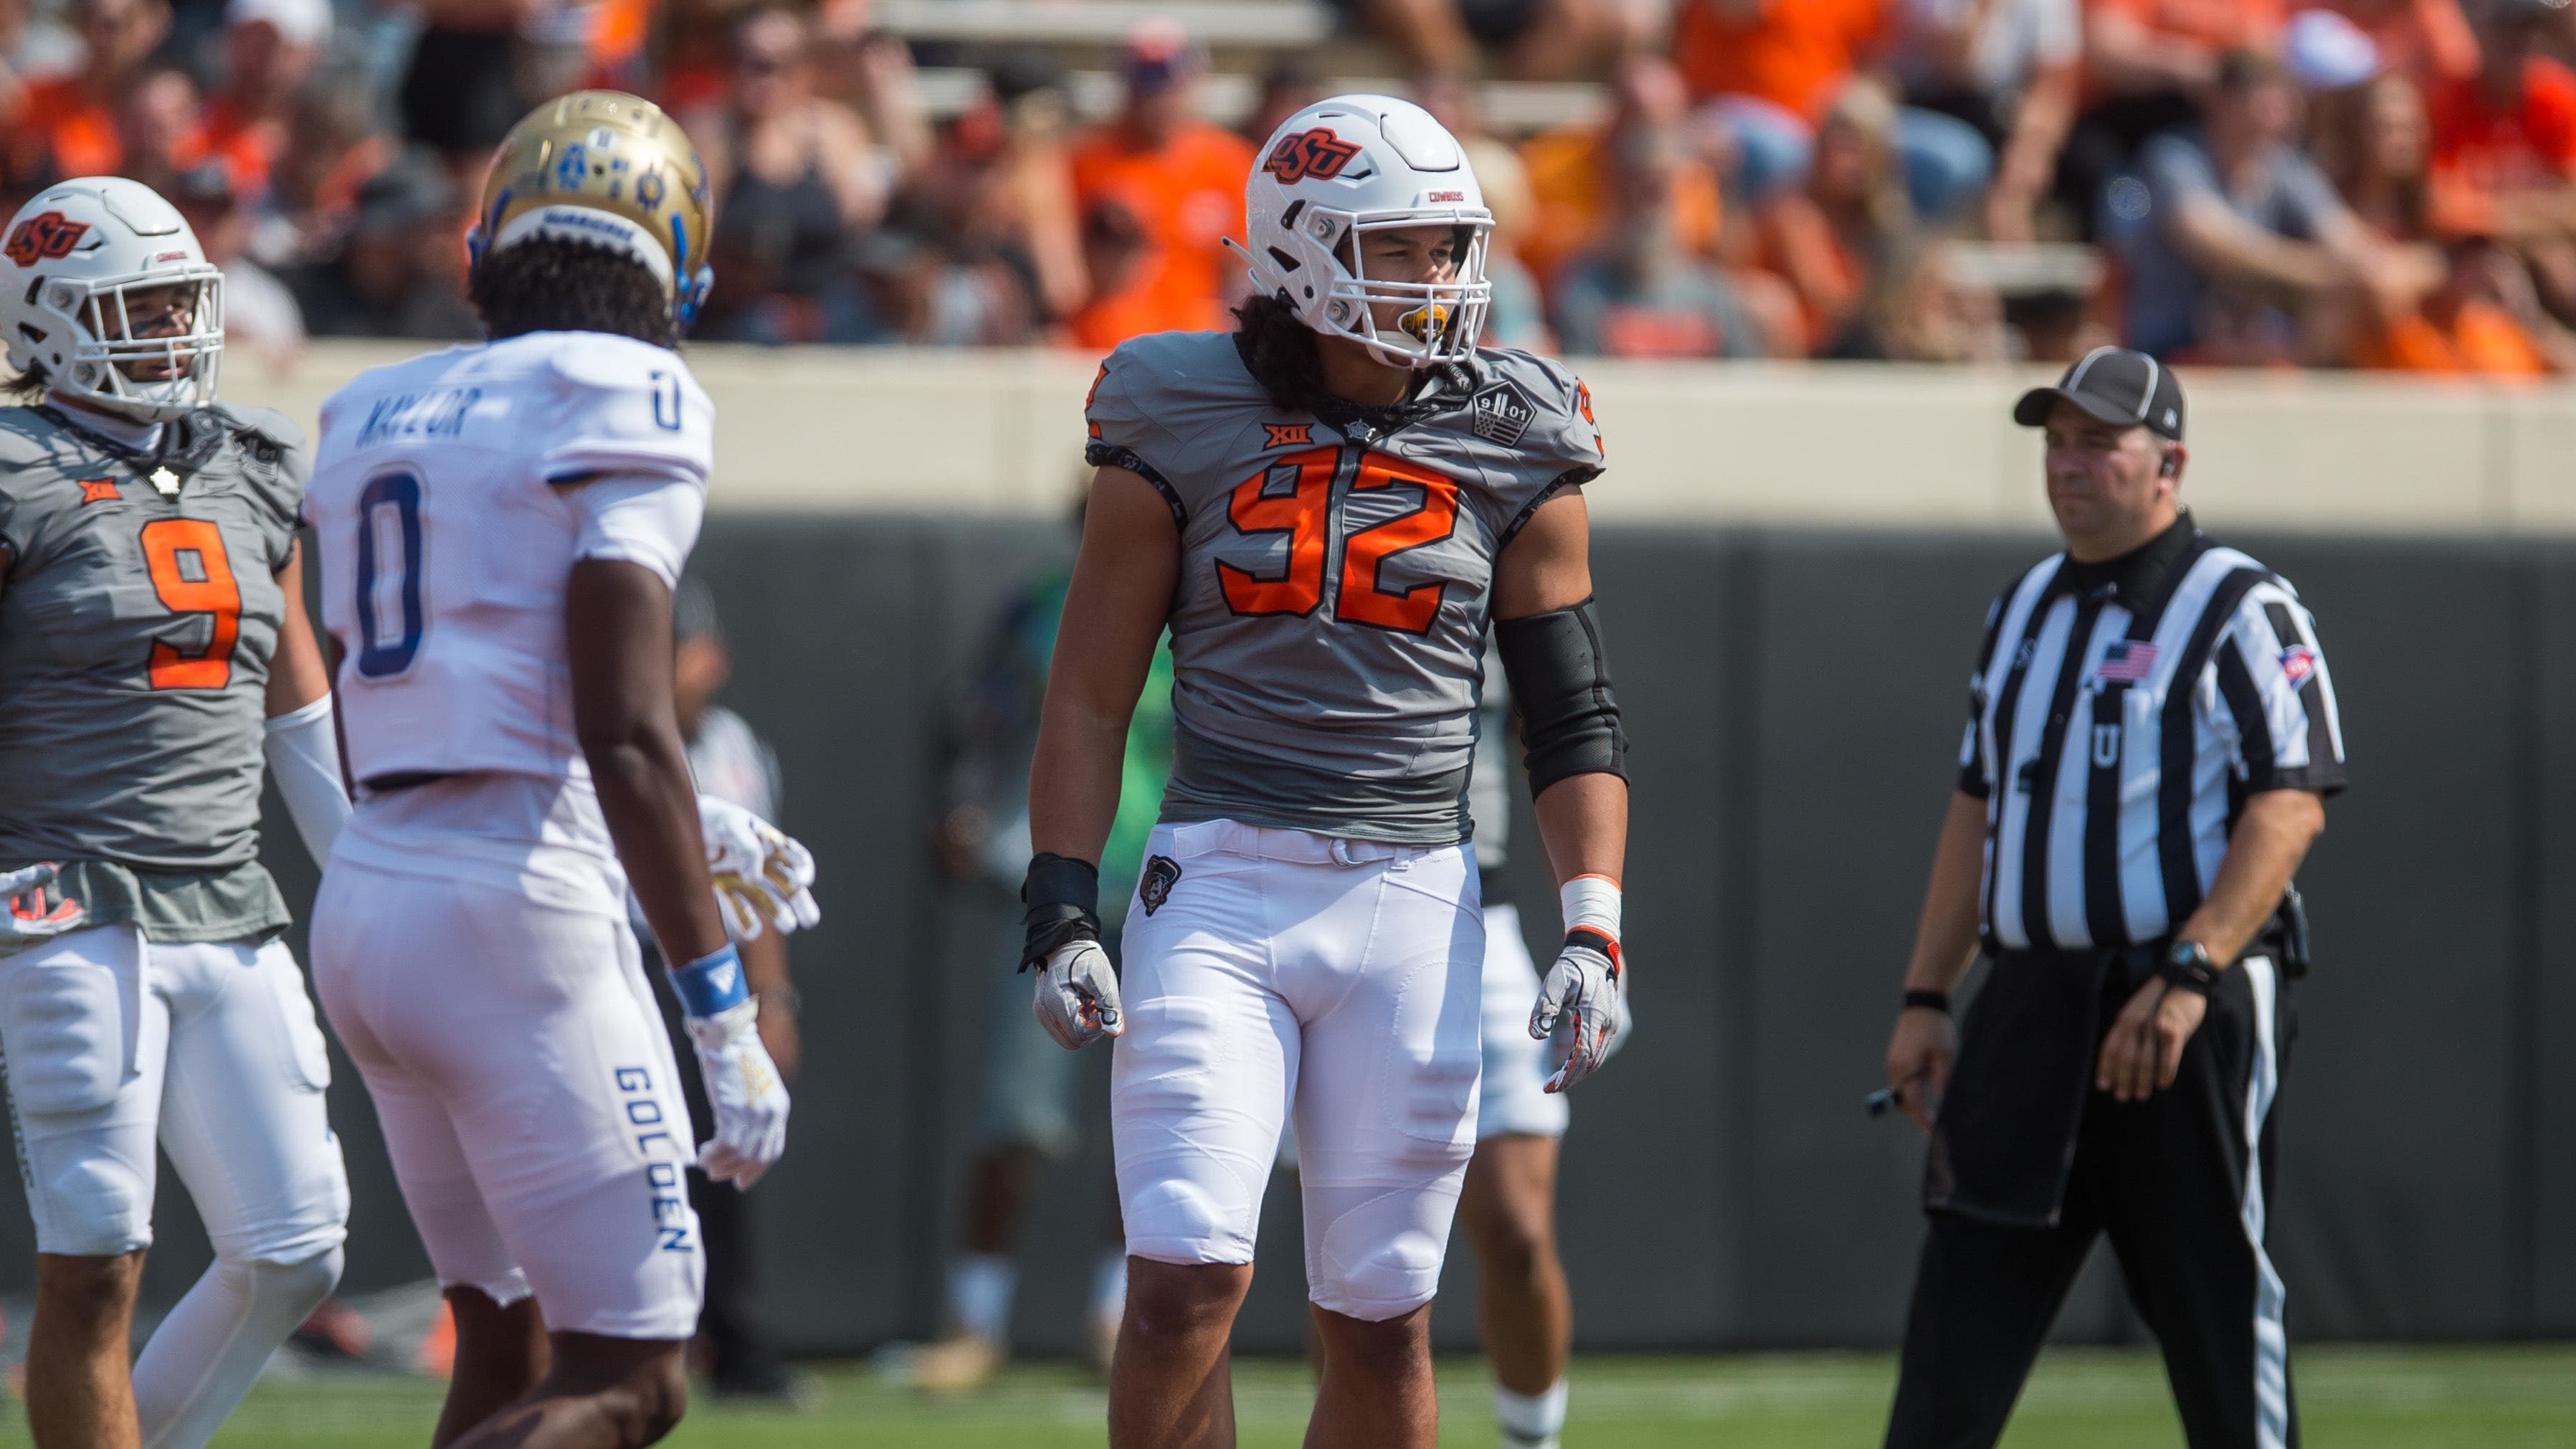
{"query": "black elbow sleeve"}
{"type": "Point", "coordinates": [1560, 680]}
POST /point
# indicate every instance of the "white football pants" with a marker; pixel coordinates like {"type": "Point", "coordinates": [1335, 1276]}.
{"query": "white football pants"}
{"type": "Point", "coordinates": [527, 1090]}
{"type": "Point", "coordinates": [1340, 979]}
{"type": "Point", "coordinates": [112, 1042]}
{"type": "Point", "coordinates": [1514, 1100]}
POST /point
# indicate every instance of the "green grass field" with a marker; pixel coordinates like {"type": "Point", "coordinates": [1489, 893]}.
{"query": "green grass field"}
{"type": "Point", "coordinates": [2474, 1398]}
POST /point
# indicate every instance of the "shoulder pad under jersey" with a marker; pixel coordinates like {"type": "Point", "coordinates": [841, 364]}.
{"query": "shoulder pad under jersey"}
{"type": "Point", "coordinates": [1158, 397]}
{"type": "Point", "coordinates": [1535, 406]}
{"type": "Point", "coordinates": [265, 434]}
{"type": "Point", "coordinates": [625, 406]}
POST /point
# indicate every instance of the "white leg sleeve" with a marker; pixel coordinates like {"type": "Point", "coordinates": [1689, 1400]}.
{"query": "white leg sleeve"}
{"type": "Point", "coordinates": [243, 1122]}
{"type": "Point", "coordinates": [211, 1348]}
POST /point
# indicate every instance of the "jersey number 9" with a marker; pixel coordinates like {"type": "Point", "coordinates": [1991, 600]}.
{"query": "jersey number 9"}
{"type": "Point", "coordinates": [193, 575]}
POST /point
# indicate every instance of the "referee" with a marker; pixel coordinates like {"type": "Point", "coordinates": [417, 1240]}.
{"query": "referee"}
{"type": "Point", "coordinates": [2152, 734]}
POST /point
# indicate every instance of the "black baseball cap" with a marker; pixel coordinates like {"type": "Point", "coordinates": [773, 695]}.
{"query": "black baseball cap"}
{"type": "Point", "coordinates": [2117, 386]}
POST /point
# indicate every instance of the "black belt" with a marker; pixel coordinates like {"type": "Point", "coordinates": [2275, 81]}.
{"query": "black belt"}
{"type": "Point", "coordinates": [2284, 938]}
{"type": "Point", "coordinates": [404, 780]}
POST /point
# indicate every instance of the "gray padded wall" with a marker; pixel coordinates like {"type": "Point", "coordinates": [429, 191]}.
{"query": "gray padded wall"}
{"type": "Point", "coordinates": [1794, 699]}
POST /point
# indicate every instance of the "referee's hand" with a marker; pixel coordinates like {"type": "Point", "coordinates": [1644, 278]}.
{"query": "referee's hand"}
{"type": "Point", "coordinates": [2144, 1049]}
{"type": "Point", "coordinates": [1918, 1061]}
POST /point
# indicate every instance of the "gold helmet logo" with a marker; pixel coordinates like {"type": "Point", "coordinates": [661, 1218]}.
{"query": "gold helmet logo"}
{"type": "Point", "coordinates": [607, 168]}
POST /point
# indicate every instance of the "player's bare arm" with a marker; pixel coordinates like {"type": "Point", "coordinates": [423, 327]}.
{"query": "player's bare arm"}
{"type": "Point", "coordinates": [617, 619]}
{"type": "Point", "coordinates": [1122, 590]}
{"type": "Point", "coordinates": [1551, 645]}
{"type": "Point", "coordinates": [2143, 1052]}
{"type": "Point", "coordinates": [1925, 1041]}
{"type": "Point", "coordinates": [296, 676]}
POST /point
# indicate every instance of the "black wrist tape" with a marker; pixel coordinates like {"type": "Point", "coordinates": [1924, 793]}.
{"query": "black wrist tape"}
{"type": "Point", "coordinates": [1063, 899]}
{"type": "Point", "coordinates": [1593, 938]}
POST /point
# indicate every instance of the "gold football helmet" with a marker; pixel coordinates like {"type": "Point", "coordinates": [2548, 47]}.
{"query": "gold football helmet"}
{"type": "Point", "coordinates": [607, 168]}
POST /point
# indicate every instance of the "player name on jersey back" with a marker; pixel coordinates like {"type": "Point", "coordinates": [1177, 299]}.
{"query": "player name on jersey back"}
{"type": "Point", "coordinates": [1329, 626]}
{"type": "Point", "coordinates": [445, 499]}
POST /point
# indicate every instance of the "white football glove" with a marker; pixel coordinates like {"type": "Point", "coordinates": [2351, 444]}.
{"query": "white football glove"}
{"type": "Point", "coordinates": [1077, 998]}
{"type": "Point", "coordinates": [37, 910]}
{"type": "Point", "coordinates": [762, 876]}
{"type": "Point", "coordinates": [1582, 994]}
{"type": "Point", "coordinates": [742, 1085]}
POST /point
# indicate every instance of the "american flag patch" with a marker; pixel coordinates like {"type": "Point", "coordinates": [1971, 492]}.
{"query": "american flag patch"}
{"type": "Point", "coordinates": [2127, 661]}
{"type": "Point", "coordinates": [2298, 662]}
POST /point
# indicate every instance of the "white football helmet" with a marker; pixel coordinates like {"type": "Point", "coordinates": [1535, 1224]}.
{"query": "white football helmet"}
{"type": "Point", "coordinates": [71, 259]}
{"type": "Point", "coordinates": [1356, 164]}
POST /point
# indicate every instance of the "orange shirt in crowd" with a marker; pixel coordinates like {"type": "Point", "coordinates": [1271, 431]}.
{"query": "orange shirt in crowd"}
{"type": "Point", "coordinates": [2427, 39]}
{"type": "Point", "coordinates": [1792, 53]}
{"type": "Point", "coordinates": [2482, 340]}
{"type": "Point", "coordinates": [2210, 25]}
{"type": "Point", "coordinates": [1795, 242]}
{"type": "Point", "coordinates": [248, 147]}
{"type": "Point", "coordinates": [2215, 24]}
{"type": "Point", "coordinates": [1569, 178]}
{"type": "Point", "coordinates": [78, 129]}
{"type": "Point", "coordinates": [1187, 196]}
{"type": "Point", "coordinates": [2479, 151]}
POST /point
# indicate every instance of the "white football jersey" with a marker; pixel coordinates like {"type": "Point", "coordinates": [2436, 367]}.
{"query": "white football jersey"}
{"type": "Point", "coordinates": [447, 501]}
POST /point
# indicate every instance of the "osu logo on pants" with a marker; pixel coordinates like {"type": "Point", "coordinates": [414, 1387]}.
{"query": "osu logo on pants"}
{"type": "Point", "coordinates": [44, 237]}
{"type": "Point", "coordinates": [1317, 153]}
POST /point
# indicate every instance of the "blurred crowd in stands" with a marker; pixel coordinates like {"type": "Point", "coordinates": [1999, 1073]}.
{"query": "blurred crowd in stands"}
{"type": "Point", "coordinates": [2361, 183]}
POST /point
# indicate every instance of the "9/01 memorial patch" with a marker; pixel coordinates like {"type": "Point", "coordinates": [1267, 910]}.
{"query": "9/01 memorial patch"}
{"type": "Point", "coordinates": [1500, 413]}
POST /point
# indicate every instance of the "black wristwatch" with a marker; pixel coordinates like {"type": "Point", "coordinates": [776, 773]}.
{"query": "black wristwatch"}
{"type": "Point", "coordinates": [2187, 967]}
{"type": "Point", "coordinates": [1918, 999]}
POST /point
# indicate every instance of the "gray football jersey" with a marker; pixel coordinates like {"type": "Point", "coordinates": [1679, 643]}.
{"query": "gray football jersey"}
{"type": "Point", "coordinates": [1328, 631]}
{"type": "Point", "coordinates": [135, 635]}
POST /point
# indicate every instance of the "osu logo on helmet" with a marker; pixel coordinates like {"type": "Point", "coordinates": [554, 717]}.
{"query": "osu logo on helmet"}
{"type": "Point", "coordinates": [1317, 153]}
{"type": "Point", "coordinates": [44, 237]}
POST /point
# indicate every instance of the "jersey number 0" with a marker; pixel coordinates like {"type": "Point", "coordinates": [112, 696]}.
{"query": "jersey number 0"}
{"type": "Point", "coordinates": [1302, 512]}
{"type": "Point", "coordinates": [390, 618]}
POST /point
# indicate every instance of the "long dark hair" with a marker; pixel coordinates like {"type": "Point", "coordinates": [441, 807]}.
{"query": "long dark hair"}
{"type": "Point", "coordinates": [548, 284]}
{"type": "Point", "coordinates": [1279, 351]}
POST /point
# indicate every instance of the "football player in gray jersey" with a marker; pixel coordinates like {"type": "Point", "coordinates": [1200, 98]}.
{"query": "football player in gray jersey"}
{"type": "Point", "coordinates": [1330, 509]}
{"type": "Point", "coordinates": [153, 647]}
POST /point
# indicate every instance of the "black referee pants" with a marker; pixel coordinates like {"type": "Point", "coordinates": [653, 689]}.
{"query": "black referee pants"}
{"type": "Point", "coordinates": [2178, 1184]}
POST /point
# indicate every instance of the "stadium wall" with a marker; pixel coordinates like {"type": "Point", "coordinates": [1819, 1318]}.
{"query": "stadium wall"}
{"type": "Point", "coordinates": [1794, 697]}
{"type": "Point", "coordinates": [999, 434]}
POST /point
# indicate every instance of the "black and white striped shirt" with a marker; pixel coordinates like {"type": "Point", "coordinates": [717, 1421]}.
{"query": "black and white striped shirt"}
{"type": "Point", "coordinates": [2126, 710]}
